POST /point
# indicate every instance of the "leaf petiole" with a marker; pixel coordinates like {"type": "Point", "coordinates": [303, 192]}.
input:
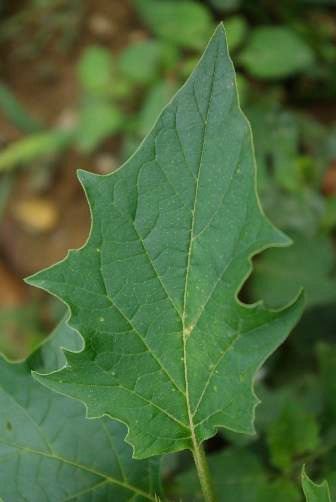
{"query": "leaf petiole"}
{"type": "Point", "coordinates": [203, 473]}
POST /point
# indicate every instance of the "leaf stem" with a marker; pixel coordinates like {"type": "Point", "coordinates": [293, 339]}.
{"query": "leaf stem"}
{"type": "Point", "coordinates": [203, 473]}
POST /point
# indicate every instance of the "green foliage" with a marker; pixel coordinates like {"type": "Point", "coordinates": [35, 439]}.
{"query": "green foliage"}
{"type": "Point", "coordinates": [20, 331]}
{"type": "Point", "coordinates": [183, 23]}
{"type": "Point", "coordinates": [327, 362]}
{"type": "Point", "coordinates": [172, 235]}
{"type": "Point", "coordinates": [50, 354]}
{"type": "Point", "coordinates": [276, 52]}
{"type": "Point", "coordinates": [5, 190]}
{"type": "Point", "coordinates": [95, 70]}
{"type": "Point", "coordinates": [236, 31]}
{"type": "Point", "coordinates": [237, 475]}
{"type": "Point", "coordinates": [315, 492]}
{"type": "Point", "coordinates": [288, 270]}
{"type": "Point", "coordinates": [155, 100]}
{"type": "Point", "coordinates": [26, 150]}
{"type": "Point", "coordinates": [278, 491]}
{"type": "Point", "coordinates": [140, 62]}
{"type": "Point", "coordinates": [97, 121]}
{"type": "Point", "coordinates": [290, 49]}
{"type": "Point", "coordinates": [49, 450]}
{"type": "Point", "coordinates": [15, 112]}
{"type": "Point", "coordinates": [291, 435]}
{"type": "Point", "coordinates": [99, 117]}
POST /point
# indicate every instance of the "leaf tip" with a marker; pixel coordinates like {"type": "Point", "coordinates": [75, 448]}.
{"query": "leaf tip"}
{"type": "Point", "coordinates": [35, 279]}
{"type": "Point", "coordinates": [219, 33]}
{"type": "Point", "coordinates": [85, 177]}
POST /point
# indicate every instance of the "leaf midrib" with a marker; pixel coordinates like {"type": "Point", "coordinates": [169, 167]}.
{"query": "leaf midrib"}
{"type": "Point", "coordinates": [186, 331]}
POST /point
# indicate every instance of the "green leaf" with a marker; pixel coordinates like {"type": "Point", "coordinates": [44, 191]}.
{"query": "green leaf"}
{"type": "Point", "coordinates": [183, 23]}
{"type": "Point", "coordinates": [285, 143]}
{"type": "Point", "coordinates": [32, 147]}
{"type": "Point", "coordinates": [50, 354]}
{"type": "Point", "coordinates": [276, 133]}
{"type": "Point", "coordinates": [49, 451]}
{"type": "Point", "coordinates": [314, 492]}
{"type": "Point", "coordinates": [95, 70]}
{"type": "Point", "coordinates": [20, 331]}
{"type": "Point", "coordinates": [293, 433]}
{"type": "Point", "coordinates": [6, 184]}
{"type": "Point", "coordinates": [301, 213]}
{"type": "Point", "coordinates": [326, 354]}
{"type": "Point", "coordinates": [140, 62]}
{"type": "Point", "coordinates": [331, 480]}
{"type": "Point", "coordinates": [97, 121]}
{"type": "Point", "coordinates": [13, 109]}
{"type": "Point", "coordinates": [308, 263]}
{"type": "Point", "coordinates": [170, 351]}
{"type": "Point", "coordinates": [329, 216]}
{"type": "Point", "coordinates": [304, 393]}
{"type": "Point", "coordinates": [276, 52]}
{"type": "Point", "coordinates": [236, 30]}
{"type": "Point", "coordinates": [279, 490]}
{"type": "Point", "coordinates": [156, 99]}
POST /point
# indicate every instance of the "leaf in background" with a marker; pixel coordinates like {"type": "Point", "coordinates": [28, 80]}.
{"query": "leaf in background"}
{"type": "Point", "coordinates": [275, 52]}
{"type": "Point", "coordinates": [95, 70]}
{"type": "Point", "coordinates": [326, 354]}
{"type": "Point", "coordinates": [329, 216]}
{"type": "Point", "coordinates": [50, 354]}
{"type": "Point", "coordinates": [314, 492]}
{"type": "Point", "coordinates": [236, 473]}
{"type": "Point", "coordinates": [169, 349]}
{"type": "Point", "coordinates": [20, 331]}
{"type": "Point", "coordinates": [49, 451]}
{"type": "Point", "coordinates": [279, 490]}
{"type": "Point", "coordinates": [140, 62]}
{"type": "Point", "coordinates": [308, 263]}
{"type": "Point", "coordinates": [285, 144]}
{"type": "Point", "coordinates": [157, 97]}
{"type": "Point", "coordinates": [331, 480]}
{"type": "Point", "coordinates": [33, 147]}
{"type": "Point", "coordinates": [243, 88]}
{"type": "Point", "coordinates": [301, 213]}
{"type": "Point", "coordinates": [236, 30]}
{"type": "Point", "coordinates": [15, 112]}
{"type": "Point", "coordinates": [276, 133]}
{"type": "Point", "coordinates": [304, 393]}
{"type": "Point", "coordinates": [225, 5]}
{"type": "Point", "coordinates": [261, 115]}
{"type": "Point", "coordinates": [292, 434]}
{"type": "Point", "coordinates": [97, 121]}
{"type": "Point", "coordinates": [183, 23]}
{"type": "Point", "coordinates": [6, 183]}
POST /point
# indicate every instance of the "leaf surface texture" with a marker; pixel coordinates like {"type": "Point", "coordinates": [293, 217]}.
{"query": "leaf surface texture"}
{"type": "Point", "coordinates": [170, 351]}
{"type": "Point", "coordinates": [49, 451]}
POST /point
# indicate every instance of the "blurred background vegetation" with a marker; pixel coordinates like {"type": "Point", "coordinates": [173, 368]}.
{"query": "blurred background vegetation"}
{"type": "Point", "coordinates": [82, 82]}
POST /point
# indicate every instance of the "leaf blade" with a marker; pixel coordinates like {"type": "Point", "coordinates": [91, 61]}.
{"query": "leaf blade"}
{"type": "Point", "coordinates": [314, 492]}
{"type": "Point", "coordinates": [172, 236]}
{"type": "Point", "coordinates": [44, 438]}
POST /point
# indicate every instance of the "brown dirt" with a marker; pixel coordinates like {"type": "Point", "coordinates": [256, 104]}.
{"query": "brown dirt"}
{"type": "Point", "coordinates": [49, 93]}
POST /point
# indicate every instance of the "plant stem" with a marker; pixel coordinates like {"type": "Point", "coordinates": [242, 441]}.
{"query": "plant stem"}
{"type": "Point", "coordinates": [203, 473]}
